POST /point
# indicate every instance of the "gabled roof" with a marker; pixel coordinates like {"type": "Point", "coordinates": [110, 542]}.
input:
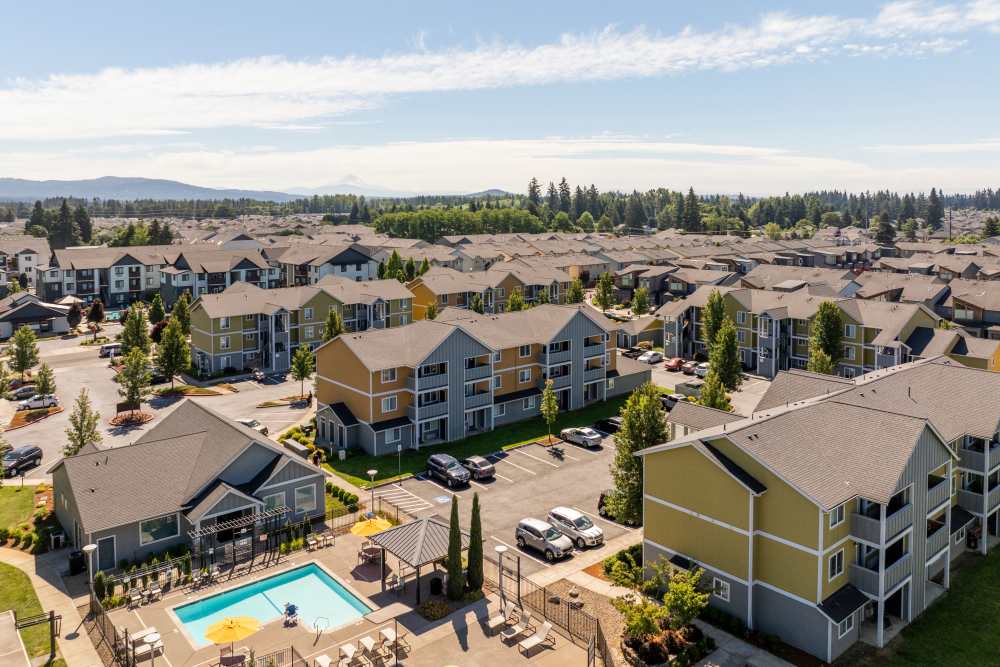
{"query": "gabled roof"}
{"type": "Point", "coordinates": [418, 542]}
{"type": "Point", "coordinates": [795, 385]}
{"type": "Point", "coordinates": [699, 417]}
{"type": "Point", "coordinates": [538, 325]}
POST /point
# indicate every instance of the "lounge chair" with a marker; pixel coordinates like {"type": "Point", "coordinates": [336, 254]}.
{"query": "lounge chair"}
{"type": "Point", "coordinates": [144, 649]}
{"type": "Point", "coordinates": [155, 592]}
{"type": "Point", "coordinates": [522, 626]}
{"type": "Point", "coordinates": [311, 543]}
{"type": "Point", "coordinates": [291, 615]}
{"type": "Point", "coordinates": [350, 652]}
{"type": "Point", "coordinates": [232, 660]}
{"type": "Point", "coordinates": [501, 618]}
{"type": "Point", "coordinates": [138, 637]}
{"type": "Point", "coordinates": [540, 638]}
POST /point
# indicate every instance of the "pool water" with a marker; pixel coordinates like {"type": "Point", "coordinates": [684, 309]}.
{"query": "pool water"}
{"type": "Point", "coordinates": [316, 594]}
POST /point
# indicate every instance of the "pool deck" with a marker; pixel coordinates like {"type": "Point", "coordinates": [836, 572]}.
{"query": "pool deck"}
{"type": "Point", "coordinates": [456, 639]}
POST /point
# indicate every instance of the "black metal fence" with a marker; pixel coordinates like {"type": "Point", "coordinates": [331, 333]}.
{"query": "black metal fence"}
{"type": "Point", "coordinates": [286, 657]}
{"type": "Point", "coordinates": [577, 625]}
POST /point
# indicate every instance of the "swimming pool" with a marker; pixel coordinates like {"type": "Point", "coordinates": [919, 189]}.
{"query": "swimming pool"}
{"type": "Point", "coordinates": [316, 594]}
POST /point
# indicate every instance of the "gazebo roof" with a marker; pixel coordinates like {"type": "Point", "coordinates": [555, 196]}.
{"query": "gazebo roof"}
{"type": "Point", "coordinates": [418, 542]}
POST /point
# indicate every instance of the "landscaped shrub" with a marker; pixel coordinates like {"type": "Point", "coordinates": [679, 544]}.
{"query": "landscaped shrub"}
{"type": "Point", "coordinates": [434, 610]}
{"type": "Point", "coordinates": [15, 536]}
{"type": "Point", "coordinates": [100, 585]}
{"type": "Point", "coordinates": [27, 540]}
{"type": "Point", "coordinates": [4, 534]}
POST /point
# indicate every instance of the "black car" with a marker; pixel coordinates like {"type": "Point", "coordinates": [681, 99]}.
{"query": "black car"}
{"type": "Point", "coordinates": [156, 376]}
{"type": "Point", "coordinates": [602, 509]}
{"type": "Point", "coordinates": [478, 467]}
{"type": "Point", "coordinates": [634, 352]}
{"type": "Point", "coordinates": [20, 459]}
{"type": "Point", "coordinates": [609, 425]}
{"type": "Point", "coordinates": [447, 469]}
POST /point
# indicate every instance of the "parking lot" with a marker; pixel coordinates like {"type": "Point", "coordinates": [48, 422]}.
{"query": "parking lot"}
{"type": "Point", "coordinates": [744, 400]}
{"type": "Point", "coordinates": [529, 481]}
{"type": "Point", "coordinates": [76, 367]}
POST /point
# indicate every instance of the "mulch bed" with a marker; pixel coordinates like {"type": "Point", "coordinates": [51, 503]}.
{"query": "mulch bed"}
{"type": "Point", "coordinates": [599, 606]}
{"type": "Point", "coordinates": [131, 419]}
{"type": "Point", "coordinates": [284, 402]}
{"type": "Point", "coordinates": [24, 418]}
{"type": "Point", "coordinates": [597, 571]}
{"type": "Point", "coordinates": [189, 390]}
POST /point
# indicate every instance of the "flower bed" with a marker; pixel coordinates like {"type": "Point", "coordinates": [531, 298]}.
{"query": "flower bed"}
{"type": "Point", "coordinates": [188, 390]}
{"type": "Point", "coordinates": [24, 418]}
{"type": "Point", "coordinates": [136, 418]}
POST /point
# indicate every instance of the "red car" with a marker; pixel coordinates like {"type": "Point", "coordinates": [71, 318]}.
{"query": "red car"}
{"type": "Point", "coordinates": [673, 364]}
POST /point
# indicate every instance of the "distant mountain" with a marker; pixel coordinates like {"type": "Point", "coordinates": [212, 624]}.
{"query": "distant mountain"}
{"type": "Point", "coordinates": [492, 192]}
{"type": "Point", "coordinates": [351, 185]}
{"type": "Point", "coordinates": [114, 187]}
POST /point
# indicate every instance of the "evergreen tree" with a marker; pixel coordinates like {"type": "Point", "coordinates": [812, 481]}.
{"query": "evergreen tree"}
{"type": "Point", "coordinates": [425, 266]}
{"type": "Point", "coordinates": [909, 229]}
{"type": "Point", "coordinates": [604, 295]}
{"type": "Point", "coordinates": [156, 312]}
{"type": "Point", "coordinates": [991, 227]}
{"type": "Point", "coordinates": [640, 301]}
{"type": "Point", "coordinates": [552, 198]}
{"type": "Point", "coordinates": [173, 355]}
{"type": "Point", "coordinates": [828, 331]}
{"type": "Point", "coordinates": [381, 270]}
{"type": "Point", "coordinates": [431, 311]}
{"type": "Point", "coordinates": [935, 211]}
{"type": "Point", "coordinates": [401, 276]}
{"type": "Point", "coordinates": [302, 367]}
{"type": "Point", "coordinates": [549, 407]}
{"type": "Point", "coordinates": [95, 315]}
{"type": "Point", "coordinates": [334, 325]}
{"type": "Point", "coordinates": [38, 217]}
{"type": "Point", "coordinates": [182, 313]}
{"type": "Point", "coordinates": [64, 234]}
{"type": "Point", "coordinates": [476, 305]}
{"type": "Point", "coordinates": [724, 357]}
{"type": "Point", "coordinates": [515, 301]}
{"type": "Point", "coordinates": [475, 569]}
{"type": "Point", "coordinates": [45, 380]}
{"type": "Point", "coordinates": [885, 233]}
{"type": "Point", "coordinates": [819, 361]}
{"type": "Point", "coordinates": [355, 213]}
{"type": "Point", "coordinates": [575, 292]}
{"type": "Point", "coordinates": [74, 316]}
{"type": "Point", "coordinates": [154, 231]}
{"type": "Point", "coordinates": [635, 215]}
{"type": "Point", "coordinates": [642, 426]}
{"type": "Point", "coordinates": [25, 350]}
{"type": "Point", "coordinates": [712, 316]}
{"type": "Point", "coordinates": [534, 194]}
{"type": "Point", "coordinates": [134, 378]}
{"type": "Point", "coordinates": [679, 210]}
{"type": "Point", "coordinates": [135, 334]}
{"type": "Point", "coordinates": [565, 198]}
{"type": "Point", "coordinates": [84, 227]}
{"type": "Point", "coordinates": [394, 265]}
{"type": "Point", "coordinates": [82, 429]}
{"type": "Point", "coordinates": [692, 212]}
{"type": "Point", "coordinates": [410, 269]}
{"type": "Point", "coordinates": [543, 297]}
{"type": "Point", "coordinates": [456, 576]}
{"type": "Point", "coordinates": [713, 392]}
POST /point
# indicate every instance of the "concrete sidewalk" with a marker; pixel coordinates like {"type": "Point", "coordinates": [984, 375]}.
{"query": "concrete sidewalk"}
{"type": "Point", "coordinates": [45, 574]}
{"type": "Point", "coordinates": [584, 559]}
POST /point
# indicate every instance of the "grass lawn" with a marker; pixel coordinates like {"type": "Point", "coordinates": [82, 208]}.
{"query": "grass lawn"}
{"type": "Point", "coordinates": [17, 593]}
{"type": "Point", "coordinates": [16, 506]}
{"type": "Point", "coordinates": [354, 467]}
{"type": "Point", "coordinates": [959, 629]}
{"type": "Point", "coordinates": [187, 390]}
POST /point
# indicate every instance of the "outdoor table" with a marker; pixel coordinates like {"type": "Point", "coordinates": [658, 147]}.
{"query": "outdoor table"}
{"type": "Point", "coordinates": [152, 639]}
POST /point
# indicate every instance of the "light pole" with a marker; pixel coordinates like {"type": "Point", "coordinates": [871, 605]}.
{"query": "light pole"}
{"type": "Point", "coordinates": [89, 550]}
{"type": "Point", "coordinates": [501, 550]}
{"type": "Point", "coordinates": [371, 475]}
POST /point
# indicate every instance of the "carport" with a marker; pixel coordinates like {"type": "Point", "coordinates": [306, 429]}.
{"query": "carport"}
{"type": "Point", "coordinates": [416, 544]}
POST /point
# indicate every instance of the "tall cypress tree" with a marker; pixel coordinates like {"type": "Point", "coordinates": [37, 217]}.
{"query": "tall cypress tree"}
{"type": "Point", "coordinates": [475, 547]}
{"type": "Point", "coordinates": [456, 577]}
{"type": "Point", "coordinates": [692, 212]}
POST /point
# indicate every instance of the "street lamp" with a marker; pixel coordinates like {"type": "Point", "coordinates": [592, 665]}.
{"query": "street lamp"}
{"type": "Point", "coordinates": [89, 550]}
{"type": "Point", "coordinates": [371, 475]}
{"type": "Point", "coordinates": [501, 550]}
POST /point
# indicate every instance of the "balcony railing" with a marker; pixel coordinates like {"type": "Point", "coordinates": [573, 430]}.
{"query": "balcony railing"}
{"type": "Point", "coordinates": [898, 571]}
{"type": "Point", "coordinates": [994, 497]}
{"type": "Point", "coordinates": [865, 528]}
{"type": "Point", "coordinates": [427, 411]}
{"type": "Point", "coordinates": [427, 381]}
{"type": "Point", "coordinates": [975, 460]}
{"type": "Point", "coordinates": [970, 500]}
{"type": "Point", "coordinates": [479, 400]}
{"type": "Point", "coordinates": [938, 493]}
{"type": "Point", "coordinates": [560, 382]}
{"type": "Point", "coordinates": [553, 358]}
{"type": "Point", "coordinates": [864, 579]}
{"type": "Point", "coordinates": [937, 540]}
{"type": "Point", "coordinates": [593, 350]}
{"type": "Point", "coordinates": [898, 521]}
{"type": "Point", "coordinates": [592, 374]}
{"type": "Point", "coordinates": [480, 372]}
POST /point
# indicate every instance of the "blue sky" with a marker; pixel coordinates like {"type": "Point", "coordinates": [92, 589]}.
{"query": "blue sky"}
{"type": "Point", "coordinates": [728, 97]}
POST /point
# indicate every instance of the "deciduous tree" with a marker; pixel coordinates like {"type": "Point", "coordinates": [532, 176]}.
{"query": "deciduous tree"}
{"type": "Point", "coordinates": [712, 316]}
{"type": "Point", "coordinates": [173, 355]}
{"type": "Point", "coordinates": [604, 295]}
{"type": "Point", "coordinates": [713, 392]}
{"type": "Point", "coordinates": [182, 313]}
{"type": "Point", "coordinates": [828, 331]}
{"type": "Point", "coordinates": [74, 316]}
{"type": "Point", "coordinates": [515, 301]}
{"type": "Point", "coordinates": [156, 311]}
{"type": "Point", "coordinates": [134, 378]}
{"type": "Point", "coordinates": [45, 380]}
{"type": "Point", "coordinates": [302, 366]}
{"type": "Point", "coordinates": [82, 430]}
{"type": "Point", "coordinates": [642, 426]}
{"type": "Point", "coordinates": [95, 315]}
{"type": "Point", "coordinates": [724, 357]}
{"type": "Point", "coordinates": [640, 301]}
{"type": "Point", "coordinates": [575, 292]}
{"type": "Point", "coordinates": [549, 407]}
{"type": "Point", "coordinates": [135, 334]}
{"type": "Point", "coordinates": [25, 350]}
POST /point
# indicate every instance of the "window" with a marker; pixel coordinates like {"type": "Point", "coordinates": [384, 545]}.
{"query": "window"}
{"type": "Point", "coordinates": [309, 332]}
{"type": "Point", "coordinates": [226, 362]}
{"type": "Point", "coordinates": [274, 500]}
{"type": "Point", "coordinates": [223, 322]}
{"type": "Point", "coordinates": [501, 292]}
{"type": "Point", "coordinates": [607, 358]}
{"type": "Point", "coordinates": [524, 351]}
{"type": "Point", "coordinates": [393, 435]}
{"type": "Point", "coordinates": [528, 403]}
{"type": "Point", "coordinates": [248, 318]}
{"type": "Point", "coordinates": [497, 381]}
{"type": "Point", "coordinates": [119, 284]}
{"type": "Point", "coordinates": [835, 566]}
{"type": "Point", "coordinates": [68, 273]}
{"type": "Point", "coordinates": [836, 516]}
{"type": "Point", "coordinates": [388, 375]}
{"type": "Point", "coordinates": [741, 317]}
{"type": "Point", "coordinates": [307, 313]}
{"type": "Point", "coordinates": [611, 383]}
{"type": "Point", "coordinates": [741, 336]}
{"type": "Point", "coordinates": [160, 528]}
{"type": "Point", "coordinates": [954, 485]}
{"type": "Point", "coordinates": [496, 357]}
{"type": "Point", "coordinates": [389, 404]}
{"type": "Point", "coordinates": [500, 410]}
{"type": "Point", "coordinates": [305, 499]}
{"type": "Point", "coordinates": [443, 299]}
{"type": "Point", "coordinates": [524, 376]}
{"type": "Point", "coordinates": [119, 271]}
{"type": "Point", "coordinates": [849, 330]}
{"type": "Point", "coordinates": [845, 626]}
{"type": "Point", "coordinates": [849, 352]}
{"type": "Point", "coordinates": [224, 343]}
{"type": "Point", "coordinates": [720, 589]}
{"type": "Point", "coordinates": [960, 536]}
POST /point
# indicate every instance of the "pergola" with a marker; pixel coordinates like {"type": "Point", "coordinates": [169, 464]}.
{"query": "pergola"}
{"type": "Point", "coordinates": [265, 524]}
{"type": "Point", "coordinates": [416, 543]}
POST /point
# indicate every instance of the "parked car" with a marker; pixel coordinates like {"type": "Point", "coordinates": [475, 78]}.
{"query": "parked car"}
{"type": "Point", "coordinates": [650, 357]}
{"type": "Point", "coordinates": [542, 537]}
{"type": "Point", "coordinates": [250, 422]}
{"type": "Point", "coordinates": [479, 467]}
{"type": "Point", "coordinates": [39, 401]}
{"type": "Point", "coordinates": [609, 425]}
{"type": "Point", "coordinates": [257, 374]}
{"type": "Point", "coordinates": [585, 437]}
{"type": "Point", "coordinates": [633, 352]}
{"type": "Point", "coordinates": [446, 468]}
{"type": "Point", "coordinates": [668, 401]}
{"type": "Point", "coordinates": [156, 376]}
{"type": "Point", "coordinates": [673, 364]}
{"type": "Point", "coordinates": [688, 367]}
{"type": "Point", "coordinates": [577, 526]}
{"type": "Point", "coordinates": [602, 507]}
{"type": "Point", "coordinates": [110, 350]}
{"type": "Point", "coordinates": [702, 369]}
{"type": "Point", "coordinates": [18, 460]}
{"type": "Point", "coordinates": [23, 392]}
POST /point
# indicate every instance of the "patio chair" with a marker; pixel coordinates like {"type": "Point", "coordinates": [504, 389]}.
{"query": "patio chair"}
{"type": "Point", "coordinates": [291, 615]}
{"type": "Point", "coordinates": [142, 650]}
{"type": "Point", "coordinates": [522, 626]}
{"type": "Point", "coordinates": [311, 543]}
{"type": "Point", "coordinates": [232, 660]}
{"type": "Point", "coordinates": [350, 653]}
{"type": "Point", "coordinates": [155, 592]}
{"type": "Point", "coordinates": [138, 637]}
{"type": "Point", "coordinates": [502, 618]}
{"type": "Point", "coordinates": [371, 651]}
{"type": "Point", "coordinates": [134, 598]}
{"type": "Point", "coordinates": [540, 638]}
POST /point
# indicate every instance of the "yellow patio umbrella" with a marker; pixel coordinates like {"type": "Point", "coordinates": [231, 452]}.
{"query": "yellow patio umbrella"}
{"type": "Point", "coordinates": [232, 629]}
{"type": "Point", "coordinates": [369, 527]}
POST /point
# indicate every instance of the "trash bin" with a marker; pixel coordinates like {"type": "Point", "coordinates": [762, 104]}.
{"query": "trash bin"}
{"type": "Point", "coordinates": [437, 587]}
{"type": "Point", "coordinates": [77, 562]}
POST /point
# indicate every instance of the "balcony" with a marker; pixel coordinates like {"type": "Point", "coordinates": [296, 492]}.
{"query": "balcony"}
{"type": "Point", "coordinates": [480, 372]}
{"type": "Point", "coordinates": [971, 500]}
{"type": "Point", "coordinates": [976, 460]}
{"type": "Point", "coordinates": [937, 493]}
{"type": "Point", "coordinates": [553, 358]}
{"type": "Point", "coordinates": [898, 521]}
{"type": "Point", "coordinates": [438, 409]}
{"type": "Point", "coordinates": [593, 350]}
{"type": "Point", "coordinates": [428, 381]}
{"type": "Point", "coordinates": [865, 579]}
{"type": "Point", "coordinates": [898, 571]}
{"type": "Point", "coordinates": [560, 382]}
{"type": "Point", "coordinates": [994, 497]}
{"type": "Point", "coordinates": [480, 400]}
{"type": "Point", "coordinates": [937, 540]}
{"type": "Point", "coordinates": [867, 527]}
{"type": "Point", "coordinates": [593, 374]}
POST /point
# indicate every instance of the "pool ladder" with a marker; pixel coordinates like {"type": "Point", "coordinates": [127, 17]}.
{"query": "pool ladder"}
{"type": "Point", "coordinates": [320, 624]}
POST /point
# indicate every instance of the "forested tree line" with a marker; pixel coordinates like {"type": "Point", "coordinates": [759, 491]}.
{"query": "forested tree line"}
{"type": "Point", "coordinates": [66, 227]}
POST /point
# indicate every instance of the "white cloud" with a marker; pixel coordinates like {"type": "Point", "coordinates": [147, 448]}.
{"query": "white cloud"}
{"type": "Point", "coordinates": [275, 92]}
{"type": "Point", "coordinates": [474, 164]}
{"type": "Point", "coordinates": [984, 146]}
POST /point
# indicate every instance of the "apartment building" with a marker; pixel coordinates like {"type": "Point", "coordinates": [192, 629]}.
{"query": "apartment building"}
{"type": "Point", "coordinates": [447, 288]}
{"type": "Point", "coordinates": [975, 306]}
{"type": "Point", "coordinates": [833, 514]}
{"type": "Point", "coordinates": [248, 327]}
{"type": "Point", "coordinates": [21, 254]}
{"type": "Point", "coordinates": [305, 264]}
{"type": "Point", "coordinates": [463, 373]}
{"type": "Point", "coordinates": [773, 329]}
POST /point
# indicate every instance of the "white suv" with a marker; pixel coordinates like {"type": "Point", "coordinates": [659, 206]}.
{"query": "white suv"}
{"type": "Point", "coordinates": [577, 526]}
{"type": "Point", "coordinates": [39, 401]}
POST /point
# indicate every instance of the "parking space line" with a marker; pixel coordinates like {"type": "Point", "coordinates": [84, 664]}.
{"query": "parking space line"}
{"type": "Point", "coordinates": [520, 552]}
{"type": "Point", "coordinates": [504, 460]}
{"type": "Point", "coordinates": [601, 518]}
{"type": "Point", "coordinates": [496, 474]}
{"type": "Point", "coordinates": [548, 463]}
{"type": "Point", "coordinates": [481, 486]}
{"type": "Point", "coordinates": [404, 499]}
{"type": "Point", "coordinates": [570, 457]}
